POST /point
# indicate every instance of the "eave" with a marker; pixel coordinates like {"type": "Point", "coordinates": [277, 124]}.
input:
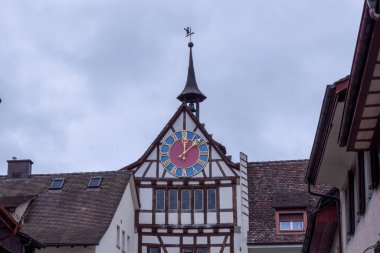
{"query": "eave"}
{"type": "Point", "coordinates": [365, 123]}
{"type": "Point", "coordinates": [361, 68]}
{"type": "Point", "coordinates": [325, 163]}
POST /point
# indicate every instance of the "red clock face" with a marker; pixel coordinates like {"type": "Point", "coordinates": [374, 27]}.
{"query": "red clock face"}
{"type": "Point", "coordinates": [181, 159]}
{"type": "Point", "coordinates": [184, 154]}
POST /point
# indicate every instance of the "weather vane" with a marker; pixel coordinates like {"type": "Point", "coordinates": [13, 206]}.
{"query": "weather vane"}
{"type": "Point", "coordinates": [188, 32]}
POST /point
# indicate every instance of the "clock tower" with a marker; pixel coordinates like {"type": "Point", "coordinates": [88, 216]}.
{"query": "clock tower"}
{"type": "Point", "coordinates": [193, 198]}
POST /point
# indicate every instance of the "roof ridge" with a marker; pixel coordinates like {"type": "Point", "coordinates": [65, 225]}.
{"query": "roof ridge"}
{"type": "Point", "coordinates": [78, 173]}
{"type": "Point", "coordinates": [279, 161]}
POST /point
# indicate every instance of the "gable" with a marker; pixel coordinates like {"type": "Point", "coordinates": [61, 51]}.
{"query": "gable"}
{"type": "Point", "coordinates": [184, 124]}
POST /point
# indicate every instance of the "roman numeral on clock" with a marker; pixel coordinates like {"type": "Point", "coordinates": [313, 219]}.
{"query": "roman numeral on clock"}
{"type": "Point", "coordinates": [173, 171]}
{"type": "Point", "coordinates": [201, 163]}
{"type": "Point", "coordinates": [203, 153]}
{"type": "Point", "coordinates": [166, 163]}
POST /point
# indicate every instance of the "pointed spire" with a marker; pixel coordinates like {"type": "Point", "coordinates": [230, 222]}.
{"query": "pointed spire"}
{"type": "Point", "coordinates": [191, 92]}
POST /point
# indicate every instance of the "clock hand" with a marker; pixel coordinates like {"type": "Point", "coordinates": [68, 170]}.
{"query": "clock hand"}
{"type": "Point", "coordinates": [192, 145]}
{"type": "Point", "coordinates": [184, 143]}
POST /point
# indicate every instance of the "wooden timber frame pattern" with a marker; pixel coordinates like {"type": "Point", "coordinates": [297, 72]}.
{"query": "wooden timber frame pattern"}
{"type": "Point", "coordinates": [215, 234]}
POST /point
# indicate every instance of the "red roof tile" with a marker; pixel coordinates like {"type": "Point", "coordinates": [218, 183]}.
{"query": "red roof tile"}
{"type": "Point", "coordinates": [273, 185]}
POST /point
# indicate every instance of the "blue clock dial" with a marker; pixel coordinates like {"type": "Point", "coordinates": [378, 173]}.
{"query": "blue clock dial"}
{"type": "Point", "coordinates": [184, 154]}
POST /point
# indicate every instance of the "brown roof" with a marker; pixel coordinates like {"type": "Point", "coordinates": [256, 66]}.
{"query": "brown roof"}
{"type": "Point", "coordinates": [275, 185]}
{"type": "Point", "coordinates": [73, 215]}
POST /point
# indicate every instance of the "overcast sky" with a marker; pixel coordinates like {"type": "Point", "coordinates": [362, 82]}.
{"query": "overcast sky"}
{"type": "Point", "coordinates": [87, 85]}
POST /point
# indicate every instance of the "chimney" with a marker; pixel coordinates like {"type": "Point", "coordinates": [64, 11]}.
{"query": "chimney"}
{"type": "Point", "coordinates": [19, 169]}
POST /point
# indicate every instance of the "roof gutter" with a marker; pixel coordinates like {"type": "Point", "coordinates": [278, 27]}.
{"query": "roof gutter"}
{"type": "Point", "coordinates": [57, 245]}
{"type": "Point", "coordinates": [316, 152]}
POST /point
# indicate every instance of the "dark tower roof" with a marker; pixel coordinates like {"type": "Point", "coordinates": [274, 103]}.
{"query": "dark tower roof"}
{"type": "Point", "coordinates": [191, 92]}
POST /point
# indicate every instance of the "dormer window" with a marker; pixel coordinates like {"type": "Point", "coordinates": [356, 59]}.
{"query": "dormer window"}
{"type": "Point", "coordinates": [291, 221]}
{"type": "Point", "coordinates": [94, 182]}
{"type": "Point", "coordinates": [57, 183]}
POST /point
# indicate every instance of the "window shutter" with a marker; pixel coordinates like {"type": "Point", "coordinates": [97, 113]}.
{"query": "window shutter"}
{"type": "Point", "coordinates": [351, 198]}
{"type": "Point", "coordinates": [374, 168]}
{"type": "Point", "coordinates": [291, 217]}
{"type": "Point", "coordinates": [361, 183]}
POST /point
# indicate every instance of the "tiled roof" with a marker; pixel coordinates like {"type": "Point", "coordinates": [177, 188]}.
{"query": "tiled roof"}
{"type": "Point", "coordinates": [283, 199]}
{"type": "Point", "coordinates": [14, 201]}
{"type": "Point", "coordinates": [73, 215]}
{"type": "Point", "coordinates": [275, 185]}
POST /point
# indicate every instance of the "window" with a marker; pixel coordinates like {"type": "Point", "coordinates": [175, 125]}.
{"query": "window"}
{"type": "Point", "coordinates": [185, 199]}
{"type": "Point", "coordinates": [211, 199]}
{"type": "Point", "coordinates": [123, 241]}
{"type": "Point", "coordinates": [291, 221]}
{"type": "Point", "coordinates": [198, 199]}
{"type": "Point", "coordinates": [361, 184]}
{"type": "Point", "coordinates": [160, 199]}
{"type": "Point", "coordinates": [129, 244]}
{"type": "Point", "coordinates": [173, 199]}
{"type": "Point", "coordinates": [57, 183]}
{"type": "Point", "coordinates": [118, 237]}
{"type": "Point", "coordinates": [195, 250]}
{"type": "Point", "coordinates": [374, 169]}
{"type": "Point", "coordinates": [94, 182]}
{"type": "Point", "coordinates": [154, 249]}
{"type": "Point", "coordinates": [350, 203]}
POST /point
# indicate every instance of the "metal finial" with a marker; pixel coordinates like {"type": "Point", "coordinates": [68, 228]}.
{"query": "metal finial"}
{"type": "Point", "coordinates": [188, 34]}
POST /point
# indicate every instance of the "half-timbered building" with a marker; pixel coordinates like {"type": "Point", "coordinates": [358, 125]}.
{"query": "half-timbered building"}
{"type": "Point", "coordinates": [193, 198]}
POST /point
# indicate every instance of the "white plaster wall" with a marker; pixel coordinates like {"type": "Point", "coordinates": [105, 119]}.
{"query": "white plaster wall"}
{"type": "Point", "coordinates": [211, 218]}
{"type": "Point", "coordinates": [367, 232]}
{"type": "Point", "coordinates": [160, 218]}
{"type": "Point", "coordinates": [172, 250]}
{"type": "Point", "coordinates": [226, 194]}
{"type": "Point", "coordinates": [215, 249]}
{"type": "Point", "coordinates": [125, 218]}
{"type": "Point", "coordinates": [145, 218]}
{"type": "Point", "coordinates": [150, 239]}
{"type": "Point", "coordinates": [186, 218]}
{"type": "Point", "coordinates": [20, 210]}
{"type": "Point", "coordinates": [198, 218]}
{"type": "Point", "coordinates": [178, 123]}
{"type": "Point", "coordinates": [237, 242]}
{"type": "Point", "coordinates": [152, 170]}
{"type": "Point", "coordinates": [141, 170]}
{"type": "Point", "coordinates": [173, 218]}
{"type": "Point", "coordinates": [226, 217]}
{"type": "Point", "coordinates": [146, 198]}
{"type": "Point", "coordinates": [190, 125]}
{"type": "Point", "coordinates": [153, 155]}
{"type": "Point", "coordinates": [170, 239]}
{"type": "Point", "coordinates": [90, 249]}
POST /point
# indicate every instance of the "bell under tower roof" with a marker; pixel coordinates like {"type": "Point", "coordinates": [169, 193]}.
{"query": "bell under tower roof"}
{"type": "Point", "coordinates": [191, 93]}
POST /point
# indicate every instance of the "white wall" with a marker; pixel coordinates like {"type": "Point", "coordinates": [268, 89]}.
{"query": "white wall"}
{"type": "Point", "coordinates": [367, 230]}
{"type": "Point", "coordinates": [125, 219]}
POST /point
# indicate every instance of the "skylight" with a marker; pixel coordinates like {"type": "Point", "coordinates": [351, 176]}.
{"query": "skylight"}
{"type": "Point", "coordinates": [57, 183]}
{"type": "Point", "coordinates": [94, 182]}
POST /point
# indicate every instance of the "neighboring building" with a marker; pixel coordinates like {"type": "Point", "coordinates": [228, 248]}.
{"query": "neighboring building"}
{"type": "Point", "coordinates": [345, 153]}
{"type": "Point", "coordinates": [194, 199]}
{"type": "Point", "coordinates": [73, 212]}
{"type": "Point", "coordinates": [11, 239]}
{"type": "Point", "coordinates": [279, 206]}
